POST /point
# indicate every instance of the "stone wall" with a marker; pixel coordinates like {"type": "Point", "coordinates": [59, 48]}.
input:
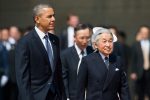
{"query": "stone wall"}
{"type": "Point", "coordinates": [127, 15]}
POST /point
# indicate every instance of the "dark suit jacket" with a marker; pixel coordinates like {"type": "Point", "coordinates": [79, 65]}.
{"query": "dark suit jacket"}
{"type": "Point", "coordinates": [3, 61]}
{"type": "Point", "coordinates": [137, 60]}
{"type": "Point", "coordinates": [63, 36]}
{"type": "Point", "coordinates": [70, 60]}
{"type": "Point", "coordinates": [33, 70]}
{"type": "Point", "coordinates": [100, 83]}
{"type": "Point", "coordinates": [123, 51]}
{"type": "Point", "coordinates": [11, 59]}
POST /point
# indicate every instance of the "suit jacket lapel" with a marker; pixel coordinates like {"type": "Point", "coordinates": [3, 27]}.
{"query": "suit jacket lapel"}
{"type": "Point", "coordinates": [54, 46]}
{"type": "Point", "coordinates": [110, 73]}
{"type": "Point", "coordinates": [40, 45]}
{"type": "Point", "coordinates": [140, 48]}
{"type": "Point", "coordinates": [75, 56]}
{"type": "Point", "coordinates": [100, 63]}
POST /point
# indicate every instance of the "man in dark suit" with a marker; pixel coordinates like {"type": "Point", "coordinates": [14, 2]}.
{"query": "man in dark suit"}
{"type": "Point", "coordinates": [141, 64]}
{"type": "Point", "coordinates": [67, 34]}
{"type": "Point", "coordinates": [71, 58]}
{"type": "Point", "coordinates": [3, 70]}
{"type": "Point", "coordinates": [120, 48]}
{"type": "Point", "coordinates": [38, 65]}
{"type": "Point", "coordinates": [15, 35]}
{"type": "Point", "coordinates": [101, 74]}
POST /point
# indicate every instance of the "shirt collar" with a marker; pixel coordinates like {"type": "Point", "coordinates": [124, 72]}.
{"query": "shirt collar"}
{"type": "Point", "coordinates": [103, 57]}
{"type": "Point", "coordinates": [79, 50]}
{"type": "Point", "coordinates": [40, 33]}
{"type": "Point", "coordinates": [145, 40]}
{"type": "Point", "coordinates": [70, 27]}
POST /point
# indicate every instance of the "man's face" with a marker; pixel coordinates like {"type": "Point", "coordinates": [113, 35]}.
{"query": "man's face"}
{"type": "Point", "coordinates": [82, 37]}
{"type": "Point", "coordinates": [14, 33]}
{"type": "Point", "coordinates": [105, 43]}
{"type": "Point", "coordinates": [4, 34]}
{"type": "Point", "coordinates": [74, 21]}
{"type": "Point", "coordinates": [46, 20]}
{"type": "Point", "coordinates": [144, 31]}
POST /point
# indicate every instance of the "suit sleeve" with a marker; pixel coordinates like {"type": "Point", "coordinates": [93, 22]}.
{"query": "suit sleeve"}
{"type": "Point", "coordinates": [124, 87]}
{"type": "Point", "coordinates": [22, 71]}
{"type": "Point", "coordinates": [82, 80]}
{"type": "Point", "coordinates": [65, 73]}
{"type": "Point", "coordinates": [134, 59]}
{"type": "Point", "coordinates": [5, 61]}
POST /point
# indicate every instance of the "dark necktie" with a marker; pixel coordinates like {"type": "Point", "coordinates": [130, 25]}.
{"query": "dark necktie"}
{"type": "Point", "coordinates": [82, 53]}
{"type": "Point", "coordinates": [49, 52]}
{"type": "Point", "coordinates": [107, 62]}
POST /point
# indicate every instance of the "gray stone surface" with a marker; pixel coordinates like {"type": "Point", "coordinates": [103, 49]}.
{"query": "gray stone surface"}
{"type": "Point", "coordinates": [125, 14]}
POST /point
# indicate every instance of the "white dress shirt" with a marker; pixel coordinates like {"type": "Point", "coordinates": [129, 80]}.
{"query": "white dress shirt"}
{"type": "Point", "coordinates": [7, 45]}
{"type": "Point", "coordinates": [42, 37]}
{"type": "Point", "coordinates": [70, 31]}
{"type": "Point", "coordinates": [145, 45]}
{"type": "Point", "coordinates": [80, 55]}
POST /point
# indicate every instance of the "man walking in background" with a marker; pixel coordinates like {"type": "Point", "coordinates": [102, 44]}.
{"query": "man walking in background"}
{"type": "Point", "coordinates": [67, 34]}
{"type": "Point", "coordinates": [71, 58]}
{"type": "Point", "coordinates": [141, 63]}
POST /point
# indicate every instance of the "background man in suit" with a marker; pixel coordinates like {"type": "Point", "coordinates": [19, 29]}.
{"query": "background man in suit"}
{"type": "Point", "coordinates": [38, 65]}
{"type": "Point", "coordinates": [3, 70]}
{"type": "Point", "coordinates": [120, 48]}
{"type": "Point", "coordinates": [67, 34]}
{"type": "Point", "coordinates": [71, 58]}
{"type": "Point", "coordinates": [15, 35]}
{"type": "Point", "coordinates": [101, 73]}
{"type": "Point", "coordinates": [141, 63]}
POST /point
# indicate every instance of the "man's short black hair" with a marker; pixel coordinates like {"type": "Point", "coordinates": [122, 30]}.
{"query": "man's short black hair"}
{"type": "Point", "coordinates": [81, 27]}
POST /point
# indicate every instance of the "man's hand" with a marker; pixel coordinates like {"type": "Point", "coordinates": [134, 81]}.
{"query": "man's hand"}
{"type": "Point", "coordinates": [3, 81]}
{"type": "Point", "coordinates": [133, 76]}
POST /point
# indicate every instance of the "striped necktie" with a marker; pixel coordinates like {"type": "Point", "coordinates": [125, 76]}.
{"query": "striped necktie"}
{"type": "Point", "coordinates": [49, 51]}
{"type": "Point", "coordinates": [106, 60]}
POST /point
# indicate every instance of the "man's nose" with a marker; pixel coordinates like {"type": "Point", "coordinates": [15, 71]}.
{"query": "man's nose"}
{"type": "Point", "coordinates": [85, 40]}
{"type": "Point", "coordinates": [107, 44]}
{"type": "Point", "coordinates": [53, 18]}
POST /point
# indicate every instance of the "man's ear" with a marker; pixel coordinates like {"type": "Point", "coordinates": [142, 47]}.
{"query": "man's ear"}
{"type": "Point", "coordinates": [74, 37]}
{"type": "Point", "coordinates": [95, 45]}
{"type": "Point", "coordinates": [36, 18]}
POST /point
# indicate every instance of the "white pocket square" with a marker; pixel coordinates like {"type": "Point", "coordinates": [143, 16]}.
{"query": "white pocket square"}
{"type": "Point", "coordinates": [116, 69]}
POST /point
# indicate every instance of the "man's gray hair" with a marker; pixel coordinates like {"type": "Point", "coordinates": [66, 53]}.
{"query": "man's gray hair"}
{"type": "Point", "coordinates": [38, 8]}
{"type": "Point", "coordinates": [97, 31]}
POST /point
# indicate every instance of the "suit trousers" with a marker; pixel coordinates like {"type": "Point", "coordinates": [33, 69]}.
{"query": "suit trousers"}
{"type": "Point", "coordinates": [51, 96]}
{"type": "Point", "coordinates": [143, 85]}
